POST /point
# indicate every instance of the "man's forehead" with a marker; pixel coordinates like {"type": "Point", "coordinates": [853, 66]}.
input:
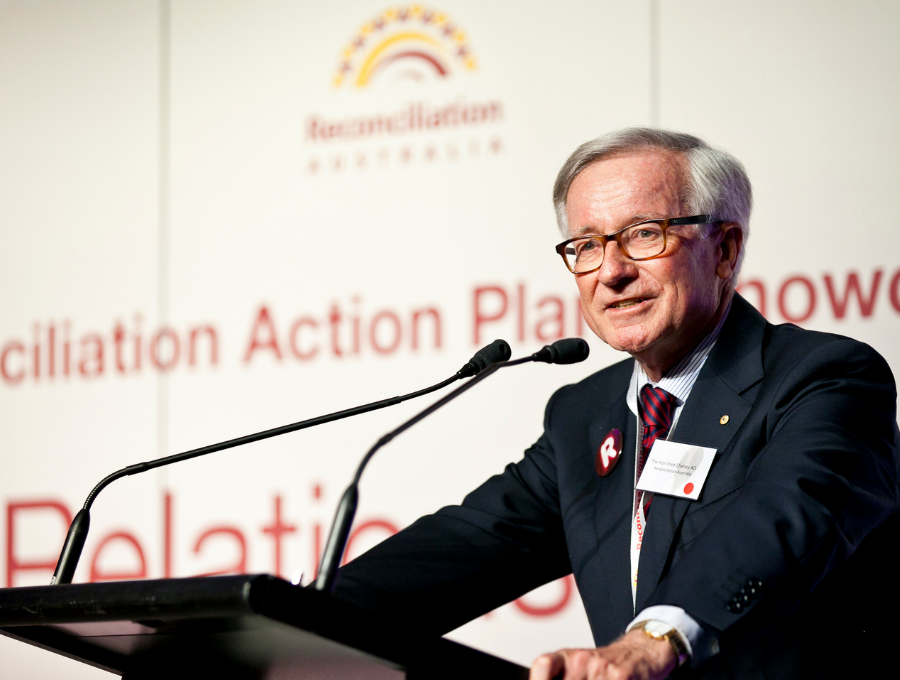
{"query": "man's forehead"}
{"type": "Point", "coordinates": [626, 189]}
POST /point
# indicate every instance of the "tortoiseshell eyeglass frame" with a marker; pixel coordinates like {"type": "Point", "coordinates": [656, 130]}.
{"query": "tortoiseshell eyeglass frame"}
{"type": "Point", "coordinates": [617, 237]}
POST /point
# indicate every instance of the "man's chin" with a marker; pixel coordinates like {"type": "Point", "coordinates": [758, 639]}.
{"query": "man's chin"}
{"type": "Point", "coordinates": [634, 343]}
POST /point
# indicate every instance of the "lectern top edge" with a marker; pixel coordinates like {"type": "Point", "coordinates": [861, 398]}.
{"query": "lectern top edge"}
{"type": "Point", "coordinates": [215, 619]}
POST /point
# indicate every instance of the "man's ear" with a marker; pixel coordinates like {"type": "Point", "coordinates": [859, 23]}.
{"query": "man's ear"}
{"type": "Point", "coordinates": [730, 245]}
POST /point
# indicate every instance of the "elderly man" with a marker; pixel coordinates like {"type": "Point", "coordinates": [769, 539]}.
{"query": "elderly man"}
{"type": "Point", "coordinates": [773, 561]}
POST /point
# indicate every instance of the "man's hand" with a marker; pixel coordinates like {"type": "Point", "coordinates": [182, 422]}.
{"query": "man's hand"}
{"type": "Point", "coordinates": [635, 656]}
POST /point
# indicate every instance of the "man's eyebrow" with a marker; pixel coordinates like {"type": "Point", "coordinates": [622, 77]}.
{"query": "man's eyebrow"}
{"type": "Point", "coordinates": [584, 231]}
{"type": "Point", "coordinates": [589, 230]}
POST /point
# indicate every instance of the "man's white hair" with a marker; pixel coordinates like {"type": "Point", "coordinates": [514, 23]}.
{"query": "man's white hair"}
{"type": "Point", "coordinates": [718, 184]}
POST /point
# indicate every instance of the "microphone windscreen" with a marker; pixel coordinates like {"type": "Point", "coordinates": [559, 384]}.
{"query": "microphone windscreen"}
{"type": "Point", "coordinates": [499, 350]}
{"type": "Point", "coordinates": [565, 351]}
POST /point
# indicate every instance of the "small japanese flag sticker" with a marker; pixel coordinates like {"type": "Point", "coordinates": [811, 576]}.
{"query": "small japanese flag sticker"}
{"type": "Point", "coordinates": [609, 453]}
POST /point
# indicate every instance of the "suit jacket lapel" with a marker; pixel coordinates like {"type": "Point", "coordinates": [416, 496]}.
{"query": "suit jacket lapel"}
{"type": "Point", "coordinates": [613, 497]}
{"type": "Point", "coordinates": [734, 365]}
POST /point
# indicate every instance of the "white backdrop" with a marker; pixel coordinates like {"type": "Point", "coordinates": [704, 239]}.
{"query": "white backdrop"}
{"type": "Point", "coordinates": [220, 217]}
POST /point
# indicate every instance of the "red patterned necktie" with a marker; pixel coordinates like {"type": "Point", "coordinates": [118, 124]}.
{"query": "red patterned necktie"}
{"type": "Point", "coordinates": [657, 407]}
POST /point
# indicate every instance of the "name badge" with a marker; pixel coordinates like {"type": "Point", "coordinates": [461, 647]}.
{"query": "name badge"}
{"type": "Point", "coordinates": [674, 469]}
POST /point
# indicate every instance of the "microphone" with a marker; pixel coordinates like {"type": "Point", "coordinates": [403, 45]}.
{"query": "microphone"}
{"type": "Point", "coordinates": [497, 351]}
{"type": "Point", "coordinates": [566, 351]}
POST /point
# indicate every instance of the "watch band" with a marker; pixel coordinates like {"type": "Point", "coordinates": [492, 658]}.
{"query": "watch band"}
{"type": "Point", "coordinates": [668, 633]}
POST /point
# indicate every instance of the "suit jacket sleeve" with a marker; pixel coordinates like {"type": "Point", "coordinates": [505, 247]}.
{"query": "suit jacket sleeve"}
{"type": "Point", "coordinates": [505, 539]}
{"type": "Point", "coordinates": [821, 475]}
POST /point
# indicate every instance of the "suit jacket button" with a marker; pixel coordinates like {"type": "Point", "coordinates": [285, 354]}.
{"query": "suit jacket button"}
{"type": "Point", "coordinates": [753, 587]}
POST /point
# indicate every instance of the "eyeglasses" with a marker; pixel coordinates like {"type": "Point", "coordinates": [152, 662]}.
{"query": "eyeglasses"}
{"type": "Point", "coordinates": [641, 241]}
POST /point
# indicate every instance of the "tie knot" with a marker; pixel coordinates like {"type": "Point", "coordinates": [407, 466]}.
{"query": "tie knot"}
{"type": "Point", "coordinates": [657, 406]}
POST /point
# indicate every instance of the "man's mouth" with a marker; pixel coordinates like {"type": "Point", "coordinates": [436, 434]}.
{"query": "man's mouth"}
{"type": "Point", "coordinates": [622, 304]}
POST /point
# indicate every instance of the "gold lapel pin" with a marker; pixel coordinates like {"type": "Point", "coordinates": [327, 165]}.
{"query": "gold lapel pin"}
{"type": "Point", "coordinates": [723, 420]}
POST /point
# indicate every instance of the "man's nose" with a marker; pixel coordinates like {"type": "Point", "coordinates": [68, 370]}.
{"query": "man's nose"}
{"type": "Point", "coordinates": [616, 266]}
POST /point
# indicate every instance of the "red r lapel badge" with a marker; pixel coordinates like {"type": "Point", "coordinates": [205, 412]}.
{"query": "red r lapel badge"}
{"type": "Point", "coordinates": [609, 453]}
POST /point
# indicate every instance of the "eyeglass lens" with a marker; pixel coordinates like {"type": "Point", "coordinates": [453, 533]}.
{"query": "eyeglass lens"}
{"type": "Point", "coordinates": [637, 242]}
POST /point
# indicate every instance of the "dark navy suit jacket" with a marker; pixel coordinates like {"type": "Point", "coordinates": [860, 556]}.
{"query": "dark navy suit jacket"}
{"type": "Point", "coordinates": [802, 496]}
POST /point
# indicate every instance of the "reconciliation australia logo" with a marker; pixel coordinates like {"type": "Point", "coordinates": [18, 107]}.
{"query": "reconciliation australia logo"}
{"type": "Point", "coordinates": [401, 52]}
{"type": "Point", "coordinates": [409, 43]}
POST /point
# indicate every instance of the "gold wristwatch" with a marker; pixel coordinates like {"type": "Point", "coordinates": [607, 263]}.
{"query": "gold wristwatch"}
{"type": "Point", "coordinates": [658, 630]}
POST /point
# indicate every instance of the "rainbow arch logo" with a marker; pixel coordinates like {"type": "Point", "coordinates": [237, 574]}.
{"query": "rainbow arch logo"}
{"type": "Point", "coordinates": [407, 43]}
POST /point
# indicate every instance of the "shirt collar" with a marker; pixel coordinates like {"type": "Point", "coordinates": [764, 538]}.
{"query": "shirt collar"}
{"type": "Point", "coordinates": [680, 379]}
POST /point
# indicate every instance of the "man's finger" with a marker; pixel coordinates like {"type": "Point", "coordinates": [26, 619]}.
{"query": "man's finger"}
{"type": "Point", "coordinates": [547, 667]}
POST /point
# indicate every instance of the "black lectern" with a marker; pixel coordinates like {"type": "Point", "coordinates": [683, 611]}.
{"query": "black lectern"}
{"type": "Point", "coordinates": [243, 627]}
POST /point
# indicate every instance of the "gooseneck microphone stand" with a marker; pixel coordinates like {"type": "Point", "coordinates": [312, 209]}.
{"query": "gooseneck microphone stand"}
{"type": "Point", "coordinates": [567, 351]}
{"type": "Point", "coordinates": [71, 552]}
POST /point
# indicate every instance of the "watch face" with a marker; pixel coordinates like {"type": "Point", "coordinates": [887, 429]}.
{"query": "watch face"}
{"type": "Point", "coordinates": [658, 628]}
{"type": "Point", "coordinates": [666, 631]}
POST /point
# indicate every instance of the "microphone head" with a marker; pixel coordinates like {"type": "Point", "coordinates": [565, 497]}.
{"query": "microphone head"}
{"type": "Point", "coordinates": [565, 351]}
{"type": "Point", "coordinates": [497, 351]}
